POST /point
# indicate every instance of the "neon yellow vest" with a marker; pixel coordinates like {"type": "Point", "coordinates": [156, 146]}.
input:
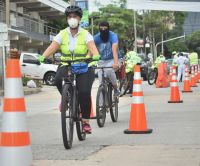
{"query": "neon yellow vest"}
{"type": "Point", "coordinates": [193, 58]}
{"type": "Point", "coordinates": [80, 49]}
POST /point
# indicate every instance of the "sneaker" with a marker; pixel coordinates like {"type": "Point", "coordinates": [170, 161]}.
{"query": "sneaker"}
{"type": "Point", "coordinates": [86, 128]}
{"type": "Point", "coordinates": [116, 93]}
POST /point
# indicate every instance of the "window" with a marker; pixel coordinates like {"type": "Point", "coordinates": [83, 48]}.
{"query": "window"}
{"type": "Point", "coordinates": [29, 59]}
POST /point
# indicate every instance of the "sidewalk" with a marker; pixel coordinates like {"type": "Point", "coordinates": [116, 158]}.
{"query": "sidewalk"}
{"type": "Point", "coordinates": [27, 91]}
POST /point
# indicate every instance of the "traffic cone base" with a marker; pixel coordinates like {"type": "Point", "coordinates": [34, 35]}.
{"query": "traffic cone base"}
{"type": "Point", "coordinates": [187, 91]}
{"type": "Point", "coordinates": [180, 101]}
{"type": "Point", "coordinates": [147, 131]}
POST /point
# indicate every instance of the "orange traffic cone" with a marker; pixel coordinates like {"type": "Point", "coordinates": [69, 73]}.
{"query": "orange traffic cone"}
{"type": "Point", "coordinates": [92, 111]}
{"type": "Point", "coordinates": [14, 136]}
{"type": "Point", "coordinates": [193, 81]}
{"type": "Point", "coordinates": [175, 96]}
{"type": "Point", "coordinates": [198, 73]}
{"type": "Point", "coordinates": [170, 73]}
{"type": "Point", "coordinates": [187, 87]}
{"type": "Point", "coordinates": [137, 124]}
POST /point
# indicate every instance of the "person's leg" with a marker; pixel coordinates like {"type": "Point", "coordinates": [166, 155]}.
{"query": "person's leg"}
{"type": "Point", "coordinates": [113, 79]}
{"type": "Point", "coordinates": [179, 73]}
{"type": "Point", "coordinates": [60, 73]}
{"type": "Point", "coordinates": [84, 86]}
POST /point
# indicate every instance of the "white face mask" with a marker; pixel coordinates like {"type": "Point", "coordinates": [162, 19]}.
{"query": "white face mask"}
{"type": "Point", "coordinates": [73, 22]}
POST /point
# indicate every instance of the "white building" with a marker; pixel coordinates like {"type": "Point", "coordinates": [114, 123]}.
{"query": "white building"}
{"type": "Point", "coordinates": [28, 29]}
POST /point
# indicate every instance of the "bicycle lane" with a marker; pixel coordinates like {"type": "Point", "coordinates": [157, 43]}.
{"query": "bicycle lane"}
{"type": "Point", "coordinates": [174, 141]}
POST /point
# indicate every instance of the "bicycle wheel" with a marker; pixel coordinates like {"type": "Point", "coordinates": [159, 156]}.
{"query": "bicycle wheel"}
{"type": "Point", "coordinates": [113, 104]}
{"type": "Point", "coordinates": [67, 120]}
{"type": "Point", "coordinates": [152, 76]}
{"type": "Point", "coordinates": [125, 84]}
{"type": "Point", "coordinates": [79, 129]}
{"type": "Point", "coordinates": [101, 106]}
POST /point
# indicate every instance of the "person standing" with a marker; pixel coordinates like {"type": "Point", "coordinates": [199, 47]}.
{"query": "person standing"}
{"type": "Point", "coordinates": [181, 62]}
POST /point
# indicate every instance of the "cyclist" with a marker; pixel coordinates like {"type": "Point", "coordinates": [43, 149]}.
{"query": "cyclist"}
{"type": "Point", "coordinates": [107, 44]}
{"type": "Point", "coordinates": [79, 41]}
{"type": "Point", "coordinates": [158, 60]}
{"type": "Point", "coordinates": [131, 59]}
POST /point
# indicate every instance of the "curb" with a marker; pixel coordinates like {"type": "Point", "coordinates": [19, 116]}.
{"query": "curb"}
{"type": "Point", "coordinates": [27, 91]}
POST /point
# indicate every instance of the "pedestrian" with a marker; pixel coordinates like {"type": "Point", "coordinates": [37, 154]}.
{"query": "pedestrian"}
{"type": "Point", "coordinates": [107, 44]}
{"type": "Point", "coordinates": [181, 62]}
{"type": "Point", "coordinates": [79, 41]}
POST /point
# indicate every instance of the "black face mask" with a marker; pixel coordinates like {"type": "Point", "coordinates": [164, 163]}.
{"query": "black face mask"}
{"type": "Point", "coordinates": [104, 34]}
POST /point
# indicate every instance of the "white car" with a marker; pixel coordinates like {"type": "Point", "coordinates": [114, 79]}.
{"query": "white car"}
{"type": "Point", "coordinates": [32, 68]}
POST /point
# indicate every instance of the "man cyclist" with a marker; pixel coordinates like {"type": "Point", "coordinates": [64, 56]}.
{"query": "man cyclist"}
{"type": "Point", "coordinates": [79, 41]}
{"type": "Point", "coordinates": [107, 44]}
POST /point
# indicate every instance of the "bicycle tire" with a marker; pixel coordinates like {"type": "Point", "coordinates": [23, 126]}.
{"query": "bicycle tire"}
{"type": "Point", "coordinates": [113, 104]}
{"type": "Point", "coordinates": [125, 85]}
{"type": "Point", "coordinates": [79, 129]}
{"type": "Point", "coordinates": [101, 106]}
{"type": "Point", "coordinates": [67, 120]}
{"type": "Point", "coordinates": [152, 77]}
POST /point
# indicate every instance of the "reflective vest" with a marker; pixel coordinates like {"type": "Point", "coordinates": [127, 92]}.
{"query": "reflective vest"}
{"type": "Point", "coordinates": [80, 49]}
{"type": "Point", "coordinates": [131, 59]}
{"type": "Point", "coordinates": [193, 58]}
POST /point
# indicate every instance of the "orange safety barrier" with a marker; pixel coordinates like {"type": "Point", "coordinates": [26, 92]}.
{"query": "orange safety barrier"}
{"type": "Point", "coordinates": [187, 87]}
{"type": "Point", "coordinates": [175, 96]}
{"type": "Point", "coordinates": [162, 80]}
{"type": "Point", "coordinates": [14, 136]}
{"type": "Point", "coordinates": [137, 123]}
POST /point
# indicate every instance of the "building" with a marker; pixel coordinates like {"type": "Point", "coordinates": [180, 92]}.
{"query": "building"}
{"type": "Point", "coordinates": [28, 28]}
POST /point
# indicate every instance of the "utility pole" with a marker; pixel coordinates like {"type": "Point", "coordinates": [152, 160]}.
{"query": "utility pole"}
{"type": "Point", "coordinates": [8, 12]}
{"type": "Point", "coordinates": [135, 32]}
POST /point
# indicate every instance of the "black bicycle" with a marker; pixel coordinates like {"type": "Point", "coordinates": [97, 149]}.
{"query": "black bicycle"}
{"type": "Point", "coordinates": [152, 76]}
{"type": "Point", "coordinates": [105, 100]}
{"type": "Point", "coordinates": [70, 108]}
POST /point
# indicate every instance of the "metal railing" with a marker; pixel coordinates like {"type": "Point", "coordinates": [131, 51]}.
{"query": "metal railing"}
{"type": "Point", "coordinates": [27, 24]}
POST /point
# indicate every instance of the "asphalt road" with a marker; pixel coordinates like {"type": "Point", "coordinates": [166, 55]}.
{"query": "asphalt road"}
{"type": "Point", "coordinates": [175, 139]}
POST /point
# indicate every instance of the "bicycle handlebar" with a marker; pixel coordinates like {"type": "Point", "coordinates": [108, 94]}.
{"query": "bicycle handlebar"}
{"type": "Point", "coordinates": [88, 60]}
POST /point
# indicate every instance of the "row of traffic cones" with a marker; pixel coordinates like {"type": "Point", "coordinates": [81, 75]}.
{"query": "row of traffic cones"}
{"type": "Point", "coordinates": [137, 123]}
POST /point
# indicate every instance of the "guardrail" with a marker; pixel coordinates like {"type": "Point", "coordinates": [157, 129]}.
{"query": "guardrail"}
{"type": "Point", "coordinates": [27, 24]}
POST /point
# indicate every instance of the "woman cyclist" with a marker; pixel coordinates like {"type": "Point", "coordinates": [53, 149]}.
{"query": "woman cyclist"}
{"type": "Point", "coordinates": [79, 41]}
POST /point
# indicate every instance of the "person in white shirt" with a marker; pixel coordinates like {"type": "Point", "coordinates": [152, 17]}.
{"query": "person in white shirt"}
{"type": "Point", "coordinates": [181, 61]}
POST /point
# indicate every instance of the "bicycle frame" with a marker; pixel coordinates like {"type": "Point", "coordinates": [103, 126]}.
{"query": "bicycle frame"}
{"type": "Point", "coordinates": [106, 86]}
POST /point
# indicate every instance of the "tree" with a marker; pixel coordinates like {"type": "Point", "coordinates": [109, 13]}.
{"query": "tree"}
{"type": "Point", "coordinates": [193, 41]}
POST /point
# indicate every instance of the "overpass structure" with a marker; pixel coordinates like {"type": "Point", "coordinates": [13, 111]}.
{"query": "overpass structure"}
{"type": "Point", "coordinates": [163, 5]}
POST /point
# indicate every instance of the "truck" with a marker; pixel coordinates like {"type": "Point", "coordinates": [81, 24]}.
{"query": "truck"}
{"type": "Point", "coordinates": [33, 69]}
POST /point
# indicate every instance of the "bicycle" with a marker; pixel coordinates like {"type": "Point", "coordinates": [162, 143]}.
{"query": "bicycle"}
{"type": "Point", "coordinates": [152, 76]}
{"type": "Point", "coordinates": [105, 100]}
{"type": "Point", "coordinates": [70, 109]}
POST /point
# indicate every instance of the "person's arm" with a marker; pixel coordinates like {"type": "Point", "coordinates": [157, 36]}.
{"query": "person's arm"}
{"type": "Point", "coordinates": [115, 51]}
{"type": "Point", "coordinates": [92, 48]}
{"type": "Point", "coordinates": [53, 47]}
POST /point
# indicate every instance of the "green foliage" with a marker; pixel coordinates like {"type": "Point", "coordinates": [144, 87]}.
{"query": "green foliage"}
{"type": "Point", "coordinates": [193, 41]}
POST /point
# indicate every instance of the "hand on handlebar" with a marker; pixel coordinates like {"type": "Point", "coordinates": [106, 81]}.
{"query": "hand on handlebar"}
{"type": "Point", "coordinates": [41, 58]}
{"type": "Point", "coordinates": [95, 57]}
{"type": "Point", "coordinates": [115, 66]}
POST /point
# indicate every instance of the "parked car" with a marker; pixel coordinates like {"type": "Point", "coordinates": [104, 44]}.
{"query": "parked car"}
{"type": "Point", "coordinates": [32, 68]}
